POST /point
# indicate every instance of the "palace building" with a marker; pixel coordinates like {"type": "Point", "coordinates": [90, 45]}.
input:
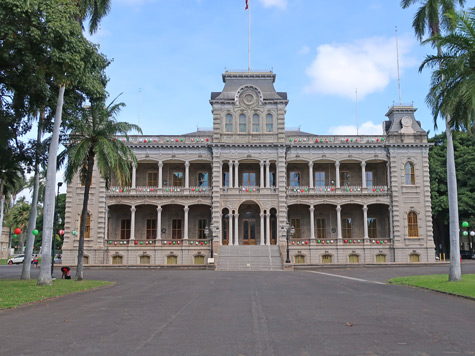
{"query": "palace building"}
{"type": "Point", "coordinates": [248, 187]}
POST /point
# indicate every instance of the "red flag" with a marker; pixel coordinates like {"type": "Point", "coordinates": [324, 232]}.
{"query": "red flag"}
{"type": "Point", "coordinates": [247, 5]}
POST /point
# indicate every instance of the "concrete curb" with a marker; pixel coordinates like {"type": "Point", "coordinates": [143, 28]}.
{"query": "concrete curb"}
{"type": "Point", "coordinates": [433, 290]}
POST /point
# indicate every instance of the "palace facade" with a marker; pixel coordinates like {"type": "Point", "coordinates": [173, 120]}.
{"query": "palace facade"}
{"type": "Point", "coordinates": [249, 181]}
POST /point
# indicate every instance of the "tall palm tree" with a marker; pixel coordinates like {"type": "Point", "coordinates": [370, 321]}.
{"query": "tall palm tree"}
{"type": "Point", "coordinates": [95, 10]}
{"type": "Point", "coordinates": [92, 143]}
{"type": "Point", "coordinates": [453, 80]}
{"type": "Point", "coordinates": [431, 16]}
{"type": "Point", "coordinates": [17, 217]}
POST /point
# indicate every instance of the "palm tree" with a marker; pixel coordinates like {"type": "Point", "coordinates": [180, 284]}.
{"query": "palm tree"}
{"type": "Point", "coordinates": [431, 15]}
{"type": "Point", "coordinates": [453, 82]}
{"type": "Point", "coordinates": [17, 217]}
{"type": "Point", "coordinates": [92, 142]}
{"type": "Point", "coordinates": [95, 10]}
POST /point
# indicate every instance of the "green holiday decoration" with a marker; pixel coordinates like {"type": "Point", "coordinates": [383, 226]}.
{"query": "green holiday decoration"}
{"type": "Point", "coordinates": [465, 233]}
{"type": "Point", "coordinates": [35, 232]}
{"type": "Point", "coordinates": [465, 224]}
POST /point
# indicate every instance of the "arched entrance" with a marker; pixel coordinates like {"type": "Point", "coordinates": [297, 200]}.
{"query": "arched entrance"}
{"type": "Point", "coordinates": [249, 224]}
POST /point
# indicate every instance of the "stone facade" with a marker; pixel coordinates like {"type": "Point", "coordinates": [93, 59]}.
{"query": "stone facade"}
{"type": "Point", "coordinates": [337, 199]}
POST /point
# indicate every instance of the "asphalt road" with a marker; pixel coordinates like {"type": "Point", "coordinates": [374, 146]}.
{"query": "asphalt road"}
{"type": "Point", "coordinates": [323, 312]}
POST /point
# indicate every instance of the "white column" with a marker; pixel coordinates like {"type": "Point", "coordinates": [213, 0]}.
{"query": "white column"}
{"type": "Point", "coordinates": [236, 175]}
{"type": "Point", "coordinates": [363, 175]}
{"type": "Point", "coordinates": [132, 223]}
{"type": "Point", "coordinates": [236, 229]}
{"type": "Point", "coordinates": [134, 176]}
{"type": "Point", "coordinates": [267, 174]}
{"type": "Point", "coordinates": [160, 174]}
{"type": "Point", "coordinates": [230, 180]}
{"type": "Point", "coordinates": [312, 222]}
{"type": "Point", "coordinates": [262, 227]}
{"type": "Point", "coordinates": [230, 229]}
{"type": "Point", "coordinates": [365, 221]}
{"type": "Point", "coordinates": [268, 229]}
{"type": "Point", "coordinates": [262, 174]}
{"type": "Point", "coordinates": [337, 168]}
{"type": "Point", "coordinates": [186, 209]}
{"type": "Point", "coordinates": [187, 174]}
{"type": "Point", "coordinates": [159, 223]}
{"type": "Point", "coordinates": [220, 175]}
{"type": "Point", "coordinates": [338, 220]}
{"type": "Point", "coordinates": [310, 174]}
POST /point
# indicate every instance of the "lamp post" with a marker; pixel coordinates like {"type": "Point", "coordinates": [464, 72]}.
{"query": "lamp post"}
{"type": "Point", "coordinates": [290, 231]}
{"type": "Point", "coordinates": [54, 232]}
{"type": "Point", "coordinates": [470, 242]}
{"type": "Point", "coordinates": [209, 233]}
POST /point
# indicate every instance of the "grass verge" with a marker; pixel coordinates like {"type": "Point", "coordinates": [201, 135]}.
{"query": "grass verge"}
{"type": "Point", "coordinates": [3, 261]}
{"type": "Point", "coordinates": [440, 282]}
{"type": "Point", "coordinates": [15, 292]}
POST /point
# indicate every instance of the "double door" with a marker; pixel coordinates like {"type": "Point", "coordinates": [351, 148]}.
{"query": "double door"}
{"type": "Point", "coordinates": [249, 232]}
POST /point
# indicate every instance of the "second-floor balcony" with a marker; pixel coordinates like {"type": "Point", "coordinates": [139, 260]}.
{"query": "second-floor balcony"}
{"type": "Point", "coordinates": [324, 190]}
{"type": "Point", "coordinates": [156, 191]}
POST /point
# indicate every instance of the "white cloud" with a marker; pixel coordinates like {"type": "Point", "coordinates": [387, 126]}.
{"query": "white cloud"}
{"type": "Point", "coordinates": [277, 3]}
{"type": "Point", "coordinates": [367, 64]}
{"type": "Point", "coordinates": [366, 128]}
{"type": "Point", "coordinates": [304, 50]}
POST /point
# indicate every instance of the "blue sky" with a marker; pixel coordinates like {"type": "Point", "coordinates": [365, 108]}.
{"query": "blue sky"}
{"type": "Point", "coordinates": [168, 56]}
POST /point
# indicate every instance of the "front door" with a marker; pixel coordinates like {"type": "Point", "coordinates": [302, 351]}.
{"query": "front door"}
{"type": "Point", "coordinates": [249, 232]}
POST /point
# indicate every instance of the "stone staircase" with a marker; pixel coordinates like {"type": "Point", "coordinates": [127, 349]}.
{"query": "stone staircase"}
{"type": "Point", "coordinates": [249, 258]}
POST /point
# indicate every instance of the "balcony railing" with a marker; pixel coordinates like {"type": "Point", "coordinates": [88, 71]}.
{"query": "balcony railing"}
{"type": "Point", "coordinates": [342, 241]}
{"type": "Point", "coordinates": [347, 189]}
{"type": "Point", "coordinates": [153, 190]}
{"type": "Point", "coordinates": [159, 243]}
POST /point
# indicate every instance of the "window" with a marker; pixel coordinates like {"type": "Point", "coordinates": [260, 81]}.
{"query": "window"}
{"type": "Point", "coordinates": [412, 226]}
{"type": "Point", "coordinates": [372, 228]}
{"type": "Point", "coordinates": [272, 179]}
{"type": "Point", "coordinates": [125, 229]}
{"type": "Point", "coordinates": [87, 232]}
{"type": "Point", "coordinates": [354, 259]}
{"type": "Point", "coordinates": [321, 229]}
{"type": "Point", "coordinates": [228, 123]}
{"type": "Point", "coordinates": [346, 228]}
{"type": "Point", "coordinates": [296, 224]}
{"type": "Point", "coordinates": [249, 179]}
{"type": "Point", "coordinates": [172, 260]}
{"type": "Point", "coordinates": [410, 178]}
{"type": "Point", "coordinates": [345, 178]}
{"type": "Point", "coordinates": [269, 123]}
{"type": "Point", "coordinates": [177, 231]}
{"type": "Point", "coordinates": [319, 179]}
{"type": "Point", "coordinates": [380, 258]}
{"type": "Point", "coordinates": [199, 260]}
{"type": "Point", "coordinates": [327, 259]}
{"type": "Point", "coordinates": [151, 232]}
{"type": "Point", "coordinates": [242, 123]}
{"type": "Point", "coordinates": [369, 179]}
{"type": "Point", "coordinates": [144, 260]}
{"type": "Point", "coordinates": [226, 179]}
{"type": "Point", "coordinates": [85, 260]}
{"type": "Point", "coordinates": [413, 258]}
{"type": "Point", "coordinates": [116, 260]}
{"type": "Point", "coordinates": [295, 179]}
{"type": "Point", "coordinates": [255, 123]}
{"type": "Point", "coordinates": [177, 179]}
{"type": "Point", "coordinates": [152, 179]}
{"type": "Point", "coordinates": [299, 259]}
{"type": "Point", "coordinates": [202, 223]}
{"type": "Point", "coordinates": [202, 179]}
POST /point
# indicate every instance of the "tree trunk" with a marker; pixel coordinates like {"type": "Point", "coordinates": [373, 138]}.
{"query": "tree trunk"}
{"type": "Point", "coordinates": [30, 238]}
{"type": "Point", "coordinates": [3, 205]}
{"type": "Point", "coordinates": [82, 227]}
{"type": "Point", "coordinates": [50, 195]}
{"type": "Point", "coordinates": [455, 273]}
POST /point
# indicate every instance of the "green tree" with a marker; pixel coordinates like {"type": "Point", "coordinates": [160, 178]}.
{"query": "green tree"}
{"type": "Point", "coordinates": [92, 142]}
{"type": "Point", "coordinates": [17, 217]}
{"type": "Point", "coordinates": [431, 16]}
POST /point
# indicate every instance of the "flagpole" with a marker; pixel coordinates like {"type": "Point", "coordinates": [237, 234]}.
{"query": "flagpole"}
{"type": "Point", "coordinates": [249, 39]}
{"type": "Point", "coordinates": [398, 75]}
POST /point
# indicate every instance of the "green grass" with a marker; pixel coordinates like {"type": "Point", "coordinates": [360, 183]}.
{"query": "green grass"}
{"type": "Point", "coordinates": [440, 282]}
{"type": "Point", "coordinates": [3, 262]}
{"type": "Point", "coordinates": [15, 292]}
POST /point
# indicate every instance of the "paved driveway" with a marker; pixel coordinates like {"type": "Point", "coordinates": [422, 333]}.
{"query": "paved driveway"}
{"type": "Point", "coordinates": [157, 312]}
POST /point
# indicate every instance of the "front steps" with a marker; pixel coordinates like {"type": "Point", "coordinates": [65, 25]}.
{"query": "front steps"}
{"type": "Point", "coordinates": [249, 258]}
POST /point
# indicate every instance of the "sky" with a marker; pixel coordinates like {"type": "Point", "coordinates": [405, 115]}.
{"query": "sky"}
{"type": "Point", "coordinates": [169, 55]}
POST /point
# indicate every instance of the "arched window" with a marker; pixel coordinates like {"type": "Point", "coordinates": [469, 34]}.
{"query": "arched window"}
{"type": "Point", "coordinates": [87, 232]}
{"type": "Point", "coordinates": [199, 260]}
{"type": "Point", "coordinates": [327, 259]}
{"type": "Point", "coordinates": [410, 178]}
{"type": "Point", "coordinates": [228, 123]}
{"type": "Point", "coordinates": [255, 123]}
{"type": "Point", "coordinates": [116, 260]}
{"type": "Point", "coordinates": [242, 123]}
{"type": "Point", "coordinates": [269, 123]}
{"type": "Point", "coordinates": [144, 260]}
{"type": "Point", "coordinates": [172, 260]}
{"type": "Point", "coordinates": [412, 226]}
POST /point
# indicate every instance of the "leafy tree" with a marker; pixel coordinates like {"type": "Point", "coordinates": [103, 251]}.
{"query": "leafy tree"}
{"type": "Point", "coordinates": [17, 217]}
{"type": "Point", "coordinates": [431, 16]}
{"type": "Point", "coordinates": [93, 143]}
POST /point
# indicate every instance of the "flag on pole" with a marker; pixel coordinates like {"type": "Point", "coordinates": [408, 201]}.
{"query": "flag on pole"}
{"type": "Point", "coordinates": [247, 5]}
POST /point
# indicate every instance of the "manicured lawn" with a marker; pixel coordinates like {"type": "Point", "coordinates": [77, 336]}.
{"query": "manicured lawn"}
{"type": "Point", "coordinates": [15, 292]}
{"type": "Point", "coordinates": [3, 262]}
{"type": "Point", "coordinates": [440, 282]}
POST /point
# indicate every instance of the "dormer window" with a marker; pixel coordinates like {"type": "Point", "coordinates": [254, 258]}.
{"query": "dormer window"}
{"type": "Point", "coordinates": [269, 123]}
{"type": "Point", "coordinates": [242, 123]}
{"type": "Point", "coordinates": [229, 123]}
{"type": "Point", "coordinates": [255, 123]}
